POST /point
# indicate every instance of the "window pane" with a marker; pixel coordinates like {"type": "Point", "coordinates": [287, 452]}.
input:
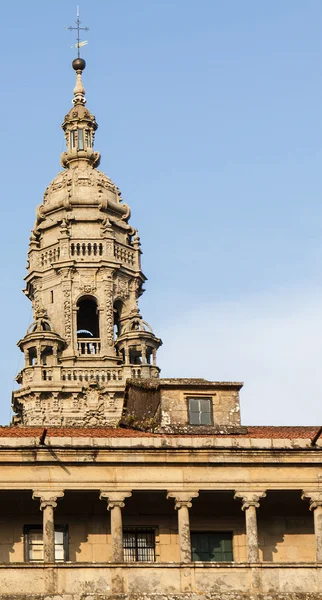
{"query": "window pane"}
{"type": "Point", "coordinates": [59, 552]}
{"type": "Point", "coordinates": [88, 138]}
{"type": "Point", "coordinates": [205, 405]}
{"type": "Point", "coordinates": [193, 405]}
{"type": "Point", "coordinates": [35, 545]}
{"type": "Point", "coordinates": [205, 418]}
{"type": "Point", "coordinates": [59, 537]}
{"type": "Point", "coordinates": [80, 139]}
{"type": "Point", "coordinates": [36, 553]}
{"type": "Point", "coordinates": [72, 139]}
{"type": "Point", "coordinates": [209, 546]}
{"type": "Point", "coordinates": [194, 418]}
{"type": "Point", "coordinates": [35, 536]}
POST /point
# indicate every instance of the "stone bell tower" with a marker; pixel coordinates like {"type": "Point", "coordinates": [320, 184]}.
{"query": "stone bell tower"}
{"type": "Point", "coordinates": [84, 280]}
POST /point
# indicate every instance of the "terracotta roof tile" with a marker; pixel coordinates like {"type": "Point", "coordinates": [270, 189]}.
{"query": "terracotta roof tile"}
{"type": "Point", "coordinates": [103, 432]}
{"type": "Point", "coordinates": [286, 432]}
{"type": "Point", "coordinates": [290, 432]}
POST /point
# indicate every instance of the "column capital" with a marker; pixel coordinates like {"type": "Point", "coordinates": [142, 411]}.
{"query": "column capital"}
{"type": "Point", "coordinates": [182, 498]}
{"type": "Point", "coordinates": [47, 497]}
{"type": "Point", "coordinates": [315, 498]}
{"type": "Point", "coordinates": [114, 498]}
{"type": "Point", "coordinates": [249, 498]}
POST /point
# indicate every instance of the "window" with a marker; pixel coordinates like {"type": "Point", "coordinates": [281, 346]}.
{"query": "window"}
{"type": "Point", "coordinates": [72, 139]}
{"type": "Point", "coordinates": [139, 545]}
{"type": "Point", "coordinates": [80, 139]}
{"type": "Point", "coordinates": [34, 547]}
{"type": "Point", "coordinates": [200, 411]}
{"type": "Point", "coordinates": [88, 138]}
{"type": "Point", "coordinates": [212, 546]}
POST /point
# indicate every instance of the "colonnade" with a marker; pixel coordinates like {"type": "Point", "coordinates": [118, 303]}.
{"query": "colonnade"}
{"type": "Point", "coordinates": [250, 502]}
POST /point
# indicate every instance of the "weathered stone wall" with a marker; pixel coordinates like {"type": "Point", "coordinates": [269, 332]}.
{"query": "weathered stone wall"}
{"type": "Point", "coordinates": [174, 405]}
{"type": "Point", "coordinates": [225, 596]}
{"type": "Point", "coordinates": [166, 582]}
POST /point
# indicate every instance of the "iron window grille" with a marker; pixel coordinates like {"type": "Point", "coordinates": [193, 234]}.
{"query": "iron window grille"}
{"type": "Point", "coordinates": [200, 411]}
{"type": "Point", "coordinates": [139, 545]}
{"type": "Point", "coordinates": [34, 545]}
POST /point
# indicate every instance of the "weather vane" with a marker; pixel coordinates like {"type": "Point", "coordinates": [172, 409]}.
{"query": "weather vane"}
{"type": "Point", "coordinates": [78, 28]}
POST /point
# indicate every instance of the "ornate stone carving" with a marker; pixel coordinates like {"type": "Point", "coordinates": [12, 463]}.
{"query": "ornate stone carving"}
{"type": "Point", "coordinates": [37, 301]}
{"type": "Point", "coordinates": [121, 288]}
{"type": "Point", "coordinates": [114, 498]}
{"type": "Point", "coordinates": [249, 498]}
{"type": "Point", "coordinates": [67, 311]}
{"type": "Point", "coordinates": [183, 498]}
{"type": "Point", "coordinates": [111, 402]}
{"type": "Point", "coordinates": [47, 497]}
{"type": "Point", "coordinates": [109, 310]}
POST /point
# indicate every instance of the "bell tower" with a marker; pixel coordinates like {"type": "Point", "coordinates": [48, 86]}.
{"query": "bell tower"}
{"type": "Point", "coordinates": [84, 280]}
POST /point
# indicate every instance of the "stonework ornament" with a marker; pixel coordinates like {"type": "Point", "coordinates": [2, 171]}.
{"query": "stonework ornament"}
{"type": "Point", "coordinates": [67, 312]}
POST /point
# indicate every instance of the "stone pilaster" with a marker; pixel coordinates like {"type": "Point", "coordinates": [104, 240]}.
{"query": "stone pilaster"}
{"type": "Point", "coordinates": [182, 505]}
{"type": "Point", "coordinates": [115, 503]}
{"type": "Point", "coordinates": [315, 499]}
{"type": "Point", "coordinates": [250, 502]}
{"type": "Point", "coordinates": [48, 502]}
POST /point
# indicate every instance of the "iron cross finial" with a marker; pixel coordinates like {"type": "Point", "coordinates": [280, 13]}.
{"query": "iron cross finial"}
{"type": "Point", "coordinates": [78, 28]}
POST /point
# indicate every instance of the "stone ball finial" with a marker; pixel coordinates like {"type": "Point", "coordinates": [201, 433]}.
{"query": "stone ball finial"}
{"type": "Point", "coordinates": [78, 64]}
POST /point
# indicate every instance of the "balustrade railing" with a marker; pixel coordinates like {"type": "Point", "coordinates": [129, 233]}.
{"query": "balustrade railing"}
{"type": "Point", "coordinates": [93, 249]}
{"type": "Point", "coordinates": [124, 254]}
{"type": "Point", "coordinates": [86, 248]}
{"type": "Point", "coordinates": [99, 375]}
{"type": "Point", "coordinates": [50, 255]}
{"type": "Point", "coordinates": [89, 346]}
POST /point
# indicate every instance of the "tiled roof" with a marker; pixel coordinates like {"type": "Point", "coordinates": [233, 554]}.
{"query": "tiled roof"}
{"type": "Point", "coordinates": [287, 432]}
{"type": "Point", "coordinates": [291, 432]}
{"type": "Point", "coordinates": [103, 432]}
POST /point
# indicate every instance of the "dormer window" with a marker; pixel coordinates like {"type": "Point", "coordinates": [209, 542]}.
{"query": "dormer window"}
{"type": "Point", "coordinates": [80, 139]}
{"type": "Point", "coordinates": [200, 411]}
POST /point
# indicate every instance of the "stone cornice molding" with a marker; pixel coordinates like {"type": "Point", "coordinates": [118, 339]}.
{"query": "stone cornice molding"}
{"type": "Point", "coordinates": [314, 497]}
{"type": "Point", "coordinates": [249, 498]}
{"type": "Point", "coordinates": [182, 498]}
{"type": "Point", "coordinates": [47, 498]}
{"type": "Point", "coordinates": [114, 498]}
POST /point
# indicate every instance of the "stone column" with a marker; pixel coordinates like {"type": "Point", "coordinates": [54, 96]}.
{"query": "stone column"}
{"type": "Point", "coordinates": [115, 502]}
{"type": "Point", "coordinates": [48, 501]}
{"type": "Point", "coordinates": [250, 501]}
{"type": "Point", "coordinates": [126, 355]}
{"type": "Point", "coordinates": [315, 499]}
{"type": "Point", "coordinates": [182, 505]}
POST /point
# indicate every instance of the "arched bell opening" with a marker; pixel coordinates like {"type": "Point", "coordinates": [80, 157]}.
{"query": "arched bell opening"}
{"type": "Point", "coordinates": [87, 318]}
{"type": "Point", "coordinates": [117, 310]}
{"type": "Point", "coordinates": [88, 330]}
{"type": "Point", "coordinates": [149, 354]}
{"type": "Point", "coordinates": [47, 356]}
{"type": "Point", "coordinates": [32, 356]}
{"type": "Point", "coordinates": [135, 355]}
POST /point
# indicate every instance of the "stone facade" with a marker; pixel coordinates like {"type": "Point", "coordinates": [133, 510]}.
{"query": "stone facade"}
{"type": "Point", "coordinates": [114, 482]}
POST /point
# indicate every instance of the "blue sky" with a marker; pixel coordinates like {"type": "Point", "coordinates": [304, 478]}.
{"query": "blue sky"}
{"type": "Point", "coordinates": [210, 123]}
